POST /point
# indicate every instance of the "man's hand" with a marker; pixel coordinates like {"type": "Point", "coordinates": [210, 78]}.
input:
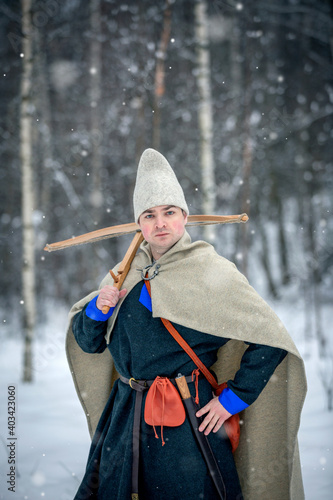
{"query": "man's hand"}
{"type": "Point", "coordinates": [216, 415]}
{"type": "Point", "coordinates": [109, 296]}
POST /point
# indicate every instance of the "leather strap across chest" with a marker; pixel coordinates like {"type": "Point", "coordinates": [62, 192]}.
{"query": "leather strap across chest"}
{"type": "Point", "coordinates": [232, 425]}
{"type": "Point", "coordinates": [172, 330]}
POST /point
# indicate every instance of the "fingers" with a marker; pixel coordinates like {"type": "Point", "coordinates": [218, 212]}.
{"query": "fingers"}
{"type": "Point", "coordinates": [109, 296]}
{"type": "Point", "coordinates": [122, 293]}
{"type": "Point", "coordinates": [216, 416]}
{"type": "Point", "coordinates": [203, 410]}
{"type": "Point", "coordinates": [209, 423]}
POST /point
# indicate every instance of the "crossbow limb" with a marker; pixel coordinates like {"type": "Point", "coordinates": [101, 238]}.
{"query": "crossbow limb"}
{"type": "Point", "coordinates": [115, 231]}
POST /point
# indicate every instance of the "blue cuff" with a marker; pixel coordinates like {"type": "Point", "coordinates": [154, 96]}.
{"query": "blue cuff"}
{"type": "Point", "coordinates": [93, 312]}
{"type": "Point", "coordinates": [231, 402]}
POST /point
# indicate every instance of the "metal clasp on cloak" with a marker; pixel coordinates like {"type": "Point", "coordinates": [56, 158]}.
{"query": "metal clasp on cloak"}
{"type": "Point", "coordinates": [145, 270]}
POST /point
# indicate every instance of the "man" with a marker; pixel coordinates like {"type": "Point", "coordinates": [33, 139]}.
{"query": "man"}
{"type": "Point", "coordinates": [227, 325]}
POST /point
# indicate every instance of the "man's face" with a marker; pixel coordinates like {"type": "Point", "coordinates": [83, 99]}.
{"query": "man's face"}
{"type": "Point", "coordinates": [162, 227]}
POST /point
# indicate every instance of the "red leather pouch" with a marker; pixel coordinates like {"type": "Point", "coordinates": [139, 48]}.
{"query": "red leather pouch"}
{"type": "Point", "coordinates": [163, 405]}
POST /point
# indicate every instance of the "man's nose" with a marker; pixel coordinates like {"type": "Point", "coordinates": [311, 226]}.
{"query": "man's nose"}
{"type": "Point", "coordinates": [159, 222]}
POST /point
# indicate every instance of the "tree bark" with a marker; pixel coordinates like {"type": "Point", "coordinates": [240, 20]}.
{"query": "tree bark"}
{"type": "Point", "coordinates": [266, 261]}
{"type": "Point", "coordinates": [45, 132]}
{"type": "Point", "coordinates": [285, 271]}
{"type": "Point", "coordinates": [282, 240]}
{"type": "Point", "coordinates": [28, 266]}
{"type": "Point", "coordinates": [96, 197]}
{"type": "Point", "coordinates": [159, 89]}
{"type": "Point", "coordinates": [205, 116]}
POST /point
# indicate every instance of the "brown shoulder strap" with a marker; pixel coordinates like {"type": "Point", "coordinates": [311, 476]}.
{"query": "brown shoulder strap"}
{"type": "Point", "coordinates": [176, 335]}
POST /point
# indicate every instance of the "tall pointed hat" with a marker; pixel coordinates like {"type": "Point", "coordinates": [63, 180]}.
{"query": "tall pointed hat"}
{"type": "Point", "coordinates": [156, 184]}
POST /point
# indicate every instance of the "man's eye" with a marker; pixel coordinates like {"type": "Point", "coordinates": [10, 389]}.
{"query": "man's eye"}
{"type": "Point", "coordinates": [170, 212]}
{"type": "Point", "coordinates": [148, 216]}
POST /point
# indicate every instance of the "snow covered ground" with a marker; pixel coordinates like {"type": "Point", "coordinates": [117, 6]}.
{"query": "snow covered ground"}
{"type": "Point", "coordinates": [52, 437]}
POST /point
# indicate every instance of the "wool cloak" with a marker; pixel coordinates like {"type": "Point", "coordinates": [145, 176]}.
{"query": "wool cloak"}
{"type": "Point", "coordinates": [199, 289]}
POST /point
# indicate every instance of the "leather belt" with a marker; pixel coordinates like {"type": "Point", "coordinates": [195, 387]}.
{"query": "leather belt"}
{"type": "Point", "coordinates": [140, 386]}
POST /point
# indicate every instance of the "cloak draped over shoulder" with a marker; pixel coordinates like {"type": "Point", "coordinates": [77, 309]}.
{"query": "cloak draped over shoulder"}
{"type": "Point", "coordinates": [197, 288]}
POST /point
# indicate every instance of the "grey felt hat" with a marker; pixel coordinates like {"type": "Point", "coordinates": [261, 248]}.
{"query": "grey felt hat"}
{"type": "Point", "coordinates": [156, 184]}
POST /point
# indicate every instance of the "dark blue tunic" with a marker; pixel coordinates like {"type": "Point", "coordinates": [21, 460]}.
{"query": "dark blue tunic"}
{"type": "Point", "coordinates": [142, 348]}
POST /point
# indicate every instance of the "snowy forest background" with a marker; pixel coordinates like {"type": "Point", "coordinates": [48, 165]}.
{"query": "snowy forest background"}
{"type": "Point", "coordinates": [239, 97]}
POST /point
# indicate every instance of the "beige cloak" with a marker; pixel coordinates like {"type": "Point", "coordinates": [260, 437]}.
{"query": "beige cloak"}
{"type": "Point", "coordinates": [199, 289]}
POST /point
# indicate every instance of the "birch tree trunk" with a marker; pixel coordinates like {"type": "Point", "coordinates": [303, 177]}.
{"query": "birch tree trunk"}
{"type": "Point", "coordinates": [247, 156]}
{"type": "Point", "coordinates": [28, 265]}
{"type": "Point", "coordinates": [45, 132]}
{"type": "Point", "coordinates": [246, 192]}
{"type": "Point", "coordinates": [96, 198]}
{"type": "Point", "coordinates": [205, 116]}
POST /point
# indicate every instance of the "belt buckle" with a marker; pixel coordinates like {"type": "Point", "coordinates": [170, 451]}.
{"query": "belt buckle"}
{"type": "Point", "coordinates": [130, 382]}
{"type": "Point", "coordinates": [141, 383]}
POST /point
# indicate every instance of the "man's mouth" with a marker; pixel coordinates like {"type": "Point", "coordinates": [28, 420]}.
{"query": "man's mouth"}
{"type": "Point", "coordinates": [161, 234]}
